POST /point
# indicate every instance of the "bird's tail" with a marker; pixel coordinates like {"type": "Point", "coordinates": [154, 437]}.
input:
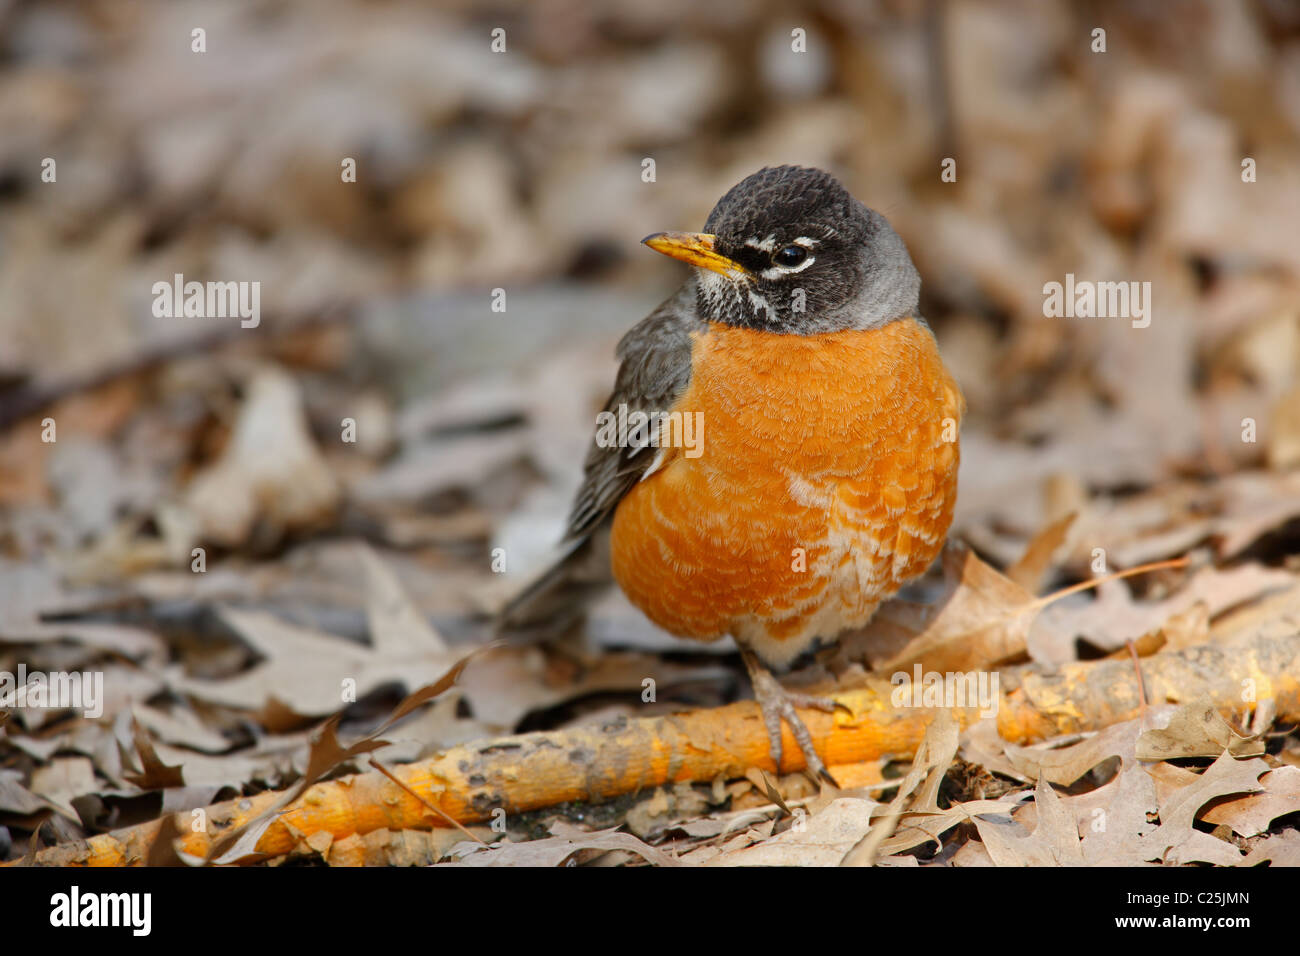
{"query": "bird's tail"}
{"type": "Point", "coordinates": [558, 597]}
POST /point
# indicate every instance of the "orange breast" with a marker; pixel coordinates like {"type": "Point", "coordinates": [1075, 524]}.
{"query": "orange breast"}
{"type": "Point", "coordinates": [827, 478]}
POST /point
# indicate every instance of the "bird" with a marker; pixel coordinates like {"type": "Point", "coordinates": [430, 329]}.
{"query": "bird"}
{"type": "Point", "coordinates": [825, 472]}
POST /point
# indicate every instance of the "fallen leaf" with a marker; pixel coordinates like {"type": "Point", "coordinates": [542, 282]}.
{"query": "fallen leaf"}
{"type": "Point", "coordinates": [1063, 765]}
{"type": "Point", "coordinates": [1250, 815]}
{"type": "Point", "coordinates": [1115, 616]}
{"type": "Point", "coordinates": [571, 848]}
{"type": "Point", "coordinates": [933, 758]}
{"type": "Point", "coordinates": [154, 773]}
{"type": "Point", "coordinates": [1028, 570]}
{"type": "Point", "coordinates": [1054, 842]}
{"type": "Point", "coordinates": [983, 620]}
{"type": "Point", "coordinates": [63, 779]}
{"type": "Point", "coordinates": [1283, 849]}
{"type": "Point", "coordinates": [822, 840]}
{"type": "Point", "coordinates": [270, 476]}
{"type": "Point", "coordinates": [1176, 841]}
{"type": "Point", "coordinates": [15, 798]}
{"type": "Point", "coordinates": [1196, 730]}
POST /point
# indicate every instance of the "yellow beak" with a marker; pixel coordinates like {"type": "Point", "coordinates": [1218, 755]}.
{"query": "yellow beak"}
{"type": "Point", "coordinates": [697, 248]}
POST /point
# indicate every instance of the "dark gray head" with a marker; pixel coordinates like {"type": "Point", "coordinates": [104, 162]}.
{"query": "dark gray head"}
{"type": "Point", "coordinates": [789, 250]}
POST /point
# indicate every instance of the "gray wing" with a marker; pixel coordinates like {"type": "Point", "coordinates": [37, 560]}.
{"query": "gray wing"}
{"type": "Point", "coordinates": [654, 370]}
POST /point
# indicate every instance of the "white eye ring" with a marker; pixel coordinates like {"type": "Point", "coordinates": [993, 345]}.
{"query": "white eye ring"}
{"type": "Point", "coordinates": [776, 271]}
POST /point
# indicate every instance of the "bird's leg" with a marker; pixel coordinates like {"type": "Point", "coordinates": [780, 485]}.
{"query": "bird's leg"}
{"type": "Point", "coordinates": [777, 704]}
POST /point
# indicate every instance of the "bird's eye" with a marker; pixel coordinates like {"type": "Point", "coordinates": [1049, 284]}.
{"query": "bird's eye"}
{"type": "Point", "coordinates": [789, 256]}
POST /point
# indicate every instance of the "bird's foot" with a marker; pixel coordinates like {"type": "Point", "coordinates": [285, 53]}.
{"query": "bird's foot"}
{"type": "Point", "coordinates": [779, 704]}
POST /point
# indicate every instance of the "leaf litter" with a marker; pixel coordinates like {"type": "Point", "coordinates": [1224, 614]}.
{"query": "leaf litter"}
{"type": "Point", "coordinates": [337, 584]}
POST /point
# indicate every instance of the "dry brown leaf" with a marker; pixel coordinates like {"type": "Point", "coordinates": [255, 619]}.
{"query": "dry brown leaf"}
{"type": "Point", "coordinates": [1115, 616]}
{"type": "Point", "coordinates": [984, 620]}
{"type": "Point", "coordinates": [916, 829]}
{"type": "Point", "coordinates": [932, 760]}
{"type": "Point", "coordinates": [15, 798]}
{"type": "Point", "coordinates": [1196, 730]}
{"type": "Point", "coordinates": [181, 727]}
{"type": "Point", "coordinates": [1114, 816]}
{"type": "Point", "coordinates": [396, 624]}
{"type": "Point", "coordinates": [164, 852]}
{"type": "Point", "coordinates": [1259, 502]}
{"type": "Point", "coordinates": [1251, 815]}
{"type": "Point", "coordinates": [63, 780]}
{"type": "Point", "coordinates": [981, 744]}
{"type": "Point", "coordinates": [569, 847]}
{"type": "Point", "coordinates": [1054, 842]}
{"type": "Point", "coordinates": [154, 773]}
{"type": "Point", "coordinates": [765, 785]}
{"type": "Point", "coordinates": [1187, 629]}
{"type": "Point", "coordinates": [270, 475]}
{"type": "Point", "coordinates": [1028, 571]}
{"type": "Point", "coordinates": [1065, 765]}
{"type": "Point", "coordinates": [1283, 445]}
{"type": "Point", "coordinates": [1109, 817]}
{"type": "Point", "coordinates": [1276, 615]}
{"type": "Point", "coordinates": [307, 671]}
{"type": "Point", "coordinates": [1176, 841]}
{"type": "Point", "coordinates": [1280, 850]}
{"type": "Point", "coordinates": [819, 840]}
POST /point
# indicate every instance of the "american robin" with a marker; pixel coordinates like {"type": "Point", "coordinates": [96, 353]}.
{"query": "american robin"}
{"type": "Point", "coordinates": [827, 471]}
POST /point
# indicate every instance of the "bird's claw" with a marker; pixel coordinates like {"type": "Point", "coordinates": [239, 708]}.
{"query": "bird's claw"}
{"type": "Point", "coordinates": [778, 704]}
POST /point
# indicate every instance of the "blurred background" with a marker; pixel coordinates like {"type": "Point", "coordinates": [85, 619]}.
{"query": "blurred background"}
{"type": "Point", "coordinates": [522, 171]}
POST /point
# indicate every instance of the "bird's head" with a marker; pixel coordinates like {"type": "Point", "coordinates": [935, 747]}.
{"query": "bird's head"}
{"type": "Point", "coordinates": [789, 250]}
